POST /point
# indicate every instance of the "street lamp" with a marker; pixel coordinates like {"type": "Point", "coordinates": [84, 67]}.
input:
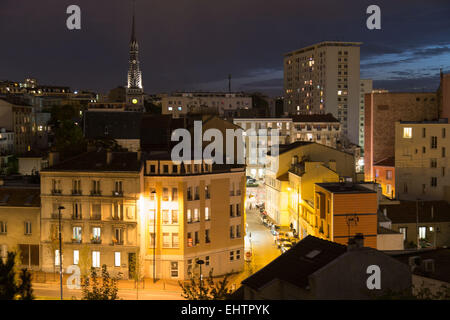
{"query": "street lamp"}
{"type": "Point", "coordinates": [153, 193]}
{"type": "Point", "coordinates": [200, 262]}
{"type": "Point", "coordinates": [60, 251]}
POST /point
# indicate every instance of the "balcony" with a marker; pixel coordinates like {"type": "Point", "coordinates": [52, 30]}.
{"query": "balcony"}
{"type": "Point", "coordinates": [96, 241]}
{"type": "Point", "coordinates": [76, 192]}
{"type": "Point", "coordinates": [76, 241]}
{"type": "Point", "coordinates": [117, 193]}
{"type": "Point", "coordinates": [207, 195]}
{"type": "Point", "coordinates": [231, 193]}
{"type": "Point", "coordinates": [96, 193]}
{"type": "Point", "coordinates": [117, 242]}
{"type": "Point", "coordinates": [56, 192]}
{"type": "Point", "coordinates": [238, 193]}
{"type": "Point", "coordinates": [77, 217]}
{"type": "Point", "coordinates": [120, 218]}
{"type": "Point", "coordinates": [96, 216]}
{"type": "Point", "coordinates": [197, 196]}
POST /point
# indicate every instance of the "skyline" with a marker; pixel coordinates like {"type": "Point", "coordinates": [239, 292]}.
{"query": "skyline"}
{"type": "Point", "coordinates": [405, 55]}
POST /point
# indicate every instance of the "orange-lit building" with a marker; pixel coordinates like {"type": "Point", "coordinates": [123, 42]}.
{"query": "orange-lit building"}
{"type": "Point", "coordinates": [342, 210]}
{"type": "Point", "coordinates": [385, 175]}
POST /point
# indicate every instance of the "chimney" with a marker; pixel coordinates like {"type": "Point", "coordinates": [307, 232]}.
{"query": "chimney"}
{"type": "Point", "coordinates": [53, 158]}
{"type": "Point", "coordinates": [109, 157]}
{"type": "Point", "coordinates": [356, 242]}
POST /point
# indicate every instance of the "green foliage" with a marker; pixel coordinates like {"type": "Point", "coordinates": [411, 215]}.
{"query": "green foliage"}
{"type": "Point", "coordinates": [208, 289]}
{"type": "Point", "coordinates": [69, 140]}
{"type": "Point", "coordinates": [9, 289]}
{"type": "Point", "coordinates": [92, 289]}
{"type": "Point", "coordinates": [85, 261]}
{"type": "Point", "coordinates": [12, 165]}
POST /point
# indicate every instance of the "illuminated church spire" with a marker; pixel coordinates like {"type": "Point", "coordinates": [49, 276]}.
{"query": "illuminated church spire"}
{"type": "Point", "coordinates": [134, 90]}
{"type": "Point", "coordinates": [134, 71]}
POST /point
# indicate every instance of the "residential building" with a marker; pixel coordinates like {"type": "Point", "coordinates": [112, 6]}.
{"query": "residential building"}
{"type": "Point", "coordinates": [17, 118]}
{"type": "Point", "coordinates": [385, 176]}
{"type": "Point", "coordinates": [426, 221]}
{"type": "Point", "coordinates": [20, 225]}
{"type": "Point", "coordinates": [366, 87]}
{"type": "Point", "coordinates": [227, 104]}
{"type": "Point", "coordinates": [429, 270]}
{"type": "Point", "coordinates": [382, 110]}
{"type": "Point", "coordinates": [192, 211]}
{"type": "Point", "coordinates": [97, 195]}
{"type": "Point", "coordinates": [277, 173]}
{"type": "Point", "coordinates": [6, 141]}
{"type": "Point", "coordinates": [422, 160]}
{"type": "Point", "coordinates": [324, 78]}
{"type": "Point", "coordinates": [321, 128]}
{"type": "Point", "coordinates": [261, 139]}
{"type": "Point", "coordinates": [320, 269]}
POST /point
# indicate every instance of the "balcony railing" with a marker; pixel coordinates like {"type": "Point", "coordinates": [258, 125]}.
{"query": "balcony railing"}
{"type": "Point", "coordinates": [238, 193]}
{"type": "Point", "coordinates": [96, 216]}
{"type": "Point", "coordinates": [77, 217]}
{"type": "Point", "coordinates": [197, 196]}
{"type": "Point", "coordinates": [117, 193]}
{"type": "Point", "coordinates": [117, 217]}
{"type": "Point", "coordinates": [56, 192]}
{"type": "Point", "coordinates": [231, 193]}
{"type": "Point", "coordinates": [76, 192]}
{"type": "Point", "coordinates": [117, 242]}
{"type": "Point", "coordinates": [76, 240]}
{"type": "Point", "coordinates": [96, 193]}
{"type": "Point", "coordinates": [96, 241]}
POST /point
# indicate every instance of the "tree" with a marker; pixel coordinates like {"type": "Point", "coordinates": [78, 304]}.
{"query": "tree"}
{"type": "Point", "coordinates": [137, 263]}
{"type": "Point", "coordinates": [85, 261]}
{"type": "Point", "coordinates": [69, 139]}
{"type": "Point", "coordinates": [93, 290]}
{"type": "Point", "coordinates": [25, 289]}
{"type": "Point", "coordinates": [9, 289]}
{"type": "Point", "coordinates": [208, 289]}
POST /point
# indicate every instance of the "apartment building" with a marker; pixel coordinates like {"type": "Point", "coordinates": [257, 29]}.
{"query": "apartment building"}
{"type": "Point", "coordinates": [191, 212]}
{"type": "Point", "coordinates": [20, 224]}
{"type": "Point", "coordinates": [277, 183]}
{"type": "Point", "coordinates": [324, 78]}
{"type": "Point", "coordinates": [97, 195]}
{"type": "Point", "coordinates": [6, 141]}
{"type": "Point", "coordinates": [261, 138]}
{"type": "Point", "coordinates": [365, 87]}
{"type": "Point", "coordinates": [382, 110]}
{"type": "Point", "coordinates": [385, 176]}
{"type": "Point", "coordinates": [17, 118]}
{"type": "Point", "coordinates": [421, 160]}
{"type": "Point", "coordinates": [222, 103]}
{"type": "Point", "coordinates": [320, 128]}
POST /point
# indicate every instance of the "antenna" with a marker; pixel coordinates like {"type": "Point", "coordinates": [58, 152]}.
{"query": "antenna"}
{"type": "Point", "coordinates": [229, 83]}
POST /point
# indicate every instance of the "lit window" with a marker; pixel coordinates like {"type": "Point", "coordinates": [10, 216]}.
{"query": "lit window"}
{"type": "Point", "coordinates": [96, 259]}
{"type": "Point", "coordinates": [76, 257]}
{"type": "Point", "coordinates": [117, 259]}
{"type": "Point", "coordinates": [407, 133]}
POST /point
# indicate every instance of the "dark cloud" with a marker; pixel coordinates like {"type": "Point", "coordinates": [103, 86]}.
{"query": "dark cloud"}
{"type": "Point", "coordinates": [185, 43]}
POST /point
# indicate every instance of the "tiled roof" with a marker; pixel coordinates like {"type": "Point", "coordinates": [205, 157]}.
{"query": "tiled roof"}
{"type": "Point", "coordinates": [388, 162]}
{"type": "Point", "coordinates": [96, 161]}
{"type": "Point", "coordinates": [406, 211]}
{"type": "Point", "coordinates": [19, 197]}
{"type": "Point", "coordinates": [441, 259]}
{"type": "Point", "coordinates": [298, 263]}
{"type": "Point", "coordinates": [314, 118]}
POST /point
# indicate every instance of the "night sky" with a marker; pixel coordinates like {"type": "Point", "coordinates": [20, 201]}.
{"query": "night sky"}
{"type": "Point", "coordinates": [195, 44]}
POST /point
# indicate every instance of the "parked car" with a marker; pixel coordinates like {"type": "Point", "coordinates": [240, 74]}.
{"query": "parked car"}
{"type": "Point", "coordinates": [285, 246]}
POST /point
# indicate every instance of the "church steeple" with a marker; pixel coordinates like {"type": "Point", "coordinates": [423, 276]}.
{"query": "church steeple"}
{"type": "Point", "coordinates": [134, 80]}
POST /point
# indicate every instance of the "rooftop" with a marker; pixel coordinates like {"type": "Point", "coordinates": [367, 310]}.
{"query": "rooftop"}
{"type": "Point", "coordinates": [344, 187]}
{"type": "Point", "coordinates": [429, 211]}
{"type": "Point", "coordinates": [387, 162]}
{"type": "Point", "coordinates": [315, 118]}
{"type": "Point", "coordinates": [97, 161]}
{"type": "Point", "coordinates": [20, 197]}
{"type": "Point", "coordinates": [298, 263]}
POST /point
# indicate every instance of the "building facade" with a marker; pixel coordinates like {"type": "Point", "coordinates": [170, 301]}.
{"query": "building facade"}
{"type": "Point", "coordinates": [324, 78]}
{"type": "Point", "coordinates": [421, 160]}
{"type": "Point", "coordinates": [98, 193]}
{"type": "Point", "coordinates": [18, 119]}
{"type": "Point", "coordinates": [324, 129]}
{"type": "Point", "coordinates": [192, 212]}
{"type": "Point", "coordinates": [366, 87]}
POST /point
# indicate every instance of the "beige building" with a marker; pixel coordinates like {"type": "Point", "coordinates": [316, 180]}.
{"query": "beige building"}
{"type": "Point", "coordinates": [222, 103]}
{"type": "Point", "coordinates": [20, 224]}
{"type": "Point", "coordinates": [18, 119]}
{"type": "Point", "coordinates": [199, 210]}
{"type": "Point", "coordinates": [421, 160]}
{"type": "Point", "coordinates": [324, 78]}
{"type": "Point", "coordinates": [100, 193]}
{"type": "Point", "coordinates": [278, 186]}
{"type": "Point", "coordinates": [320, 128]}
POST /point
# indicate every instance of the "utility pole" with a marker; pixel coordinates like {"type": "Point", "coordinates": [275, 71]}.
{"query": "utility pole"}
{"type": "Point", "coordinates": [60, 252]}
